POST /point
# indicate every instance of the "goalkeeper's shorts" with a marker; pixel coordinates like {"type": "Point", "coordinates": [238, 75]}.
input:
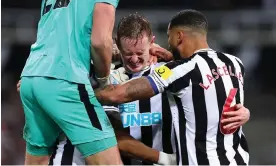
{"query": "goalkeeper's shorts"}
{"type": "Point", "coordinates": [53, 105]}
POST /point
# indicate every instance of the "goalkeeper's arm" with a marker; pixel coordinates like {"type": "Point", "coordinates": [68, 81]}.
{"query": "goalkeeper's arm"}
{"type": "Point", "coordinates": [101, 38]}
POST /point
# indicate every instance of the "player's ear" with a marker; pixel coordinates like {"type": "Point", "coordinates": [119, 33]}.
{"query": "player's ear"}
{"type": "Point", "coordinates": [116, 40]}
{"type": "Point", "coordinates": [152, 40]}
{"type": "Point", "coordinates": [178, 37]}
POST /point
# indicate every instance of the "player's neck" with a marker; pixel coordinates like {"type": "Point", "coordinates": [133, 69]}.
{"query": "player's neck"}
{"type": "Point", "coordinates": [146, 67]}
{"type": "Point", "coordinates": [197, 45]}
{"type": "Point", "coordinates": [201, 46]}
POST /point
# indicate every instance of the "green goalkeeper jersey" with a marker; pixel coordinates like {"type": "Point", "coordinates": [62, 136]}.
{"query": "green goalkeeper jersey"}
{"type": "Point", "coordinates": [62, 48]}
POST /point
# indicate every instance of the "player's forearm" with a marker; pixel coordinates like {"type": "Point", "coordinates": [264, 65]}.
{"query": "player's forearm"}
{"type": "Point", "coordinates": [101, 38]}
{"type": "Point", "coordinates": [102, 55]}
{"type": "Point", "coordinates": [133, 90]}
{"type": "Point", "coordinates": [135, 149]}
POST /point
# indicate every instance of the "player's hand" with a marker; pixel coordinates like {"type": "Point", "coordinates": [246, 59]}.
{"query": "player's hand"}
{"type": "Point", "coordinates": [117, 76]}
{"type": "Point", "coordinates": [160, 53]}
{"type": "Point", "coordinates": [167, 159]}
{"type": "Point", "coordinates": [236, 118]}
{"type": "Point", "coordinates": [116, 54]}
{"type": "Point", "coordinates": [153, 60]}
{"type": "Point", "coordinates": [18, 86]}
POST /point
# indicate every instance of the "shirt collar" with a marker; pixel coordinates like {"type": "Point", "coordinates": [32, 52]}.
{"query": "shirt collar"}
{"type": "Point", "coordinates": [203, 49]}
{"type": "Point", "coordinates": [137, 73]}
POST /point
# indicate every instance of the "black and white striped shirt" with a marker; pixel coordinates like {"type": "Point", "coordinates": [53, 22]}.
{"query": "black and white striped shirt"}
{"type": "Point", "coordinates": [149, 121]}
{"type": "Point", "coordinates": [201, 84]}
{"type": "Point", "coordinates": [66, 154]}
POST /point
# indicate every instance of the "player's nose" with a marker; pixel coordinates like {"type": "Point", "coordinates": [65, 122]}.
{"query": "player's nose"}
{"type": "Point", "coordinates": [134, 59]}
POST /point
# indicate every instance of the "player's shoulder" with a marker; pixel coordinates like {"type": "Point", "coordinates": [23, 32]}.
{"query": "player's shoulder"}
{"type": "Point", "coordinates": [182, 64]}
{"type": "Point", "coordinates": [233, 57]}
{"type": "Point", "coordinates": [211, 52]}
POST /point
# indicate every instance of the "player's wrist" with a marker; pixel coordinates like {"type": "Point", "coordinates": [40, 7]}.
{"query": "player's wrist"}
{"type": "Point", "coordinates": [102, 78]}
{"type": "Point", "coordinates": [166, 159]}
{"type": "Point", "coordinates": [103, 81]}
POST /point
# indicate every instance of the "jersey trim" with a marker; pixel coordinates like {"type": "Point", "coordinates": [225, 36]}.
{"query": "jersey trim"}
{"type": "Point", "coordinates": [153, 85]}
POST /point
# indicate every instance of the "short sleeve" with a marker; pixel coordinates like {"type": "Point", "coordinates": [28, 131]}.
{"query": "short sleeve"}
{"type": "Point", "coordinates": [172, 75]}
{"type": "Point", "coordinates": [111, 2]}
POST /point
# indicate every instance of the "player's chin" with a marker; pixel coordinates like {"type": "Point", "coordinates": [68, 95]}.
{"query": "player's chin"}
{"type": "Point", "coordinates": [135, 69]}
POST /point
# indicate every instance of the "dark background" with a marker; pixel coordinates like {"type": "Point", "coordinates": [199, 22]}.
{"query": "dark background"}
{"type": "Point", "coordinates": [124, 4]}
{"type": "Point", "coordinates": [245, 28]}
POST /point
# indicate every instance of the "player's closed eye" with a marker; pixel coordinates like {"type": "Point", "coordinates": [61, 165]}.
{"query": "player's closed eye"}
{"type": "Point", "coordinates": [140, 53]}
{"type": "Point", "coordinates": [128, 54]}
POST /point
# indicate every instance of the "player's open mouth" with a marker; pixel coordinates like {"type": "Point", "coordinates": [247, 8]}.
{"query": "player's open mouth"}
{"type": "Point", "coordinates": [136, 65]}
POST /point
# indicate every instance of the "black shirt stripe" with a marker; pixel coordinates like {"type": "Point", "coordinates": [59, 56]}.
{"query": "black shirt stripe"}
{"type": "Point", "coordinates": [242, 67]}
{"type": "Point", "coordinates": [67, 156]}
{"type": "Point", "coordinates": [166, 124]}
{"type": "Point", "coordinates": [221, 96]}
{"type": "Point", "coordinates": [182, 132]}
{"type": "Point", "coordinates": [180, 83]}
{"type": "Point", "coordinates": [126, 160]}
{"type": "Point", "coordinates": [146, 131]}
{"type": "Point", "coordinates": [200, 117]}
{"type": "Point", "coordinates": [235, 82]}
{"type": "Point", "coordinates": [244, 144]}
{"type": "Point", "coordinates": [177, 150]}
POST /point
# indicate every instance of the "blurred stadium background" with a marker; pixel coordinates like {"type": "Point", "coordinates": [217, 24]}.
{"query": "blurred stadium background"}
{"type": "Point", "coordinates": [245, 28]}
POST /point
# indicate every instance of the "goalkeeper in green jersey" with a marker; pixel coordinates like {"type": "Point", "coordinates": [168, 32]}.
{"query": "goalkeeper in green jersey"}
{"type": "Point", "coordinates": [55, 89]}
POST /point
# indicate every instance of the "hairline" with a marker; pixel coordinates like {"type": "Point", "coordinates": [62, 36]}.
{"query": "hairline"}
{"type": "Point", "coordinates": [140, 37]}
{"type": "Point", "coordinates": [188, 28]}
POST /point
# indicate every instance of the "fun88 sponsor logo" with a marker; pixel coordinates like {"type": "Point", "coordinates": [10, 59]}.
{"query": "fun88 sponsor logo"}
{"type": "Point", "coordinates": [131, 118]}
{"type": "Point", "coordinates": [127, 108]}
{"type": "Point", "coordinates": [141, 119]}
